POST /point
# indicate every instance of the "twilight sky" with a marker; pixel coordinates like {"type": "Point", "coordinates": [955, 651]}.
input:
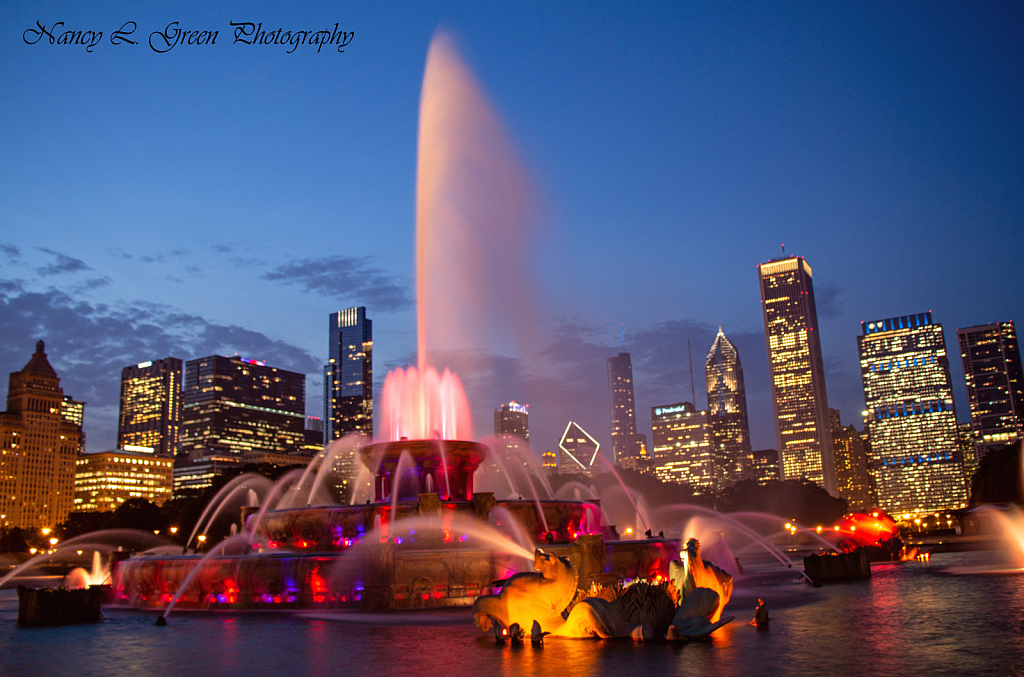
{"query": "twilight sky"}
{"type": "Point", "coordinates": [226, 198]}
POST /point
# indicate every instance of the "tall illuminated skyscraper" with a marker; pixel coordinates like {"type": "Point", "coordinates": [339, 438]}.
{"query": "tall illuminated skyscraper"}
{"type": "Point", "coordinates": [38, 448]}
{"type": "Point", "coordinates": [802, 426]}
{"type": "Point", "coordinates": [910, 416]}
{"type": "Point", "coordinates": [239, 407]}
{"type": "Point", "coordinates": [727, 413]}
{"type": "Point", "coordinates": [151, 406]}
{"type": "Point", "coordinates": [995, 384]}
{"type": "Point", "coordinates": [629, 449]}
{"type": "Point", "coordinates": [348, 375]}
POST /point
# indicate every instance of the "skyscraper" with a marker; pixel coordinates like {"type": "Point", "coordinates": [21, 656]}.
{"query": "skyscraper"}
{"type": "Point", "coordinates": [727, 412]}
{"type": "Point", "coordinates": [239, 407]}
{"type": "Point", "coordinates": [348, 375]}
{"type": "Point", "coordinates": [513, 419]}
{"type": "Point", "coordinates": [766, 466]}
{"type": "Point", "coordinates": [38, 448]}
{"type": "Point", "coordinates": [798, 377]}
{"type": "Point", "coordinates": [579, 452]}
{"type": "Point", "coordinates": [73, 411]}
{"type": "Point", "coordinates": [910, 415]}
{"type": "Point", "coordinates": [682, 446]}
{"type": "Point", "coordinates": [151, 406]}
{"type": "Point", "coordinates": [853, 476]}
{"type": "Point", "coordinates": [628, 448]}
{"type": "Point", "coordinates": [995, 384]}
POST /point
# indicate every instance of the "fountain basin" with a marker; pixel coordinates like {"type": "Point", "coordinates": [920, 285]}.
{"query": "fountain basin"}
{"type": "Point", "coordinates": [373, 576]}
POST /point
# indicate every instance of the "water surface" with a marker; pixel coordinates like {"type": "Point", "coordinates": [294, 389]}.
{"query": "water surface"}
{"type": "Point", "coordinates": [909, 619]}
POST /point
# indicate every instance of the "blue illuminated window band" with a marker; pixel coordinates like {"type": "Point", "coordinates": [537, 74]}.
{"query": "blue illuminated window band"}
{"type": "Point", "coordinates": [922, 458]}
{"type": "Point", "coordinates": [901, 364]}
{"type": "Point", "coordinates": [910, 409]}
{"type": "Point", "coordinates": [895, 323]}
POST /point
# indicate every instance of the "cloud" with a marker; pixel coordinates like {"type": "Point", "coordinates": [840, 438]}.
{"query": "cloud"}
{"type": "Point", "coordinates": [12, 252]}
{"type": "Point", "coordinates": [90, 285]}
{"type": "Point", "coordinates": [352, 280]}
{"type": "Point", "coordinates": [158, 257]}
{"type": "Point", "coordinates": [63, 264]}
{"type": "Point", "coordinates": [88, 344]}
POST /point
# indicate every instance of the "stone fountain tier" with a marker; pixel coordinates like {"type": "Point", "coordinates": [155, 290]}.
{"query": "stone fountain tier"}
{"type": "Point", "coordinates": [376, 576]}
{"type": "Point", "coordinates": [426, 472]}
{"type": "Point", "coordinates": [335, 528]}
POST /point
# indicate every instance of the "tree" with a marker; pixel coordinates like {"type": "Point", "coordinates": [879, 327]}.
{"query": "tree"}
{"type": "Point", "coordinates": [13, 540]}
{"type": "Point", "coordinates": [137, 513]}
{"type": "Point", "coordinates": [998, 477]}
{"type": "Point", "coordinates": [799, 500]}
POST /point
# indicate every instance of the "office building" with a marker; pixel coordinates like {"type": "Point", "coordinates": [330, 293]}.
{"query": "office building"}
{"type": "Point", "coordinates": [766, 466]}
{"type": "Point", "coordinates": [968, 450]}
{"type": "Point", "coordinates": [853, 475]}
{"type": "Point", "coordinates": [549, 462]}
{"type": "Point", "coordinates": [239, 407]}
{"type": "Point", "coordinates": [38, 448]}
{"type": "Point", "coordinates": [682, 450]}
{"type": "Point", "coordinates": [513, 419]}
{"type": "Point", "coordinates": [105, 480]}
{"type": "Point", "coordinates": [995, 384]}
{"type": "Point", "coordinates": [314, 442]}
{"type": "Point", "coordinates": [150, 414]}
{"type": "Point", "coordinates": [915, 454]}
{"type": "Point", "coordinates": [348, 375]}
{"type": "Point", "coordinates": [629, 449]}
{"type": "Point", "coordinates": [802, 427]}
{"type": "Point", "coordinates": [73, 411]}
{"type": "Point", "coordinates": [579, 452]}
{"type": "Point", "coordinates": [727, 412]}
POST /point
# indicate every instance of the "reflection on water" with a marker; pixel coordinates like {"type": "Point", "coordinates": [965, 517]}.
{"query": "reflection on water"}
{"type": "Point", "coordinates": [911, 618]}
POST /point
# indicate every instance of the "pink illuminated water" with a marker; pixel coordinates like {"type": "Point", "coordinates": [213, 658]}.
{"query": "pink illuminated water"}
{"type": "Point", "coordinates": [424, 405]}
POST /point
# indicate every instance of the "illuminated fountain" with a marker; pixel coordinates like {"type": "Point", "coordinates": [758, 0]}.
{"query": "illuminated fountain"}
{"type": "Point", "coordinates": [426, 538]}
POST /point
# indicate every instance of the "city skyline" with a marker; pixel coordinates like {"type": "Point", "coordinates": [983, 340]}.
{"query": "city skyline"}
{"type": "Point", "coordinates": [753, 134]}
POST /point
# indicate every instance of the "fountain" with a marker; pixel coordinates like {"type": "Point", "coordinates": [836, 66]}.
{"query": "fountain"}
{"type": "Point", "coordinates": [426, 538]}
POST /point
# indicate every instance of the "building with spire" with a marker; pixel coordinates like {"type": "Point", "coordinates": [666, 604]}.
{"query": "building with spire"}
{"type": "Point", "coordinates": [38, 448]}
{"type": "Point", "coordinates": [802, 427]}
{"type": "Point", "coordinates": [629, 449]}
{"type": "Point", "coordinates": [727, 413]}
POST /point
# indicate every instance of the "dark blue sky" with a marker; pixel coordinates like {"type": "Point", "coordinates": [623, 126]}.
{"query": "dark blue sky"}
{"type": "Point", "coordinates": [226, 198]}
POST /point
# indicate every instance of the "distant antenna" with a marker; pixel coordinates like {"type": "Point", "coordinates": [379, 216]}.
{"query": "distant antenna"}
{"type": "Point", "coordinates": [623, 338]}
{"type": "Point", "coordinates": [693, 390]}
{"type": "Point", "coordinates": [783, 247]}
